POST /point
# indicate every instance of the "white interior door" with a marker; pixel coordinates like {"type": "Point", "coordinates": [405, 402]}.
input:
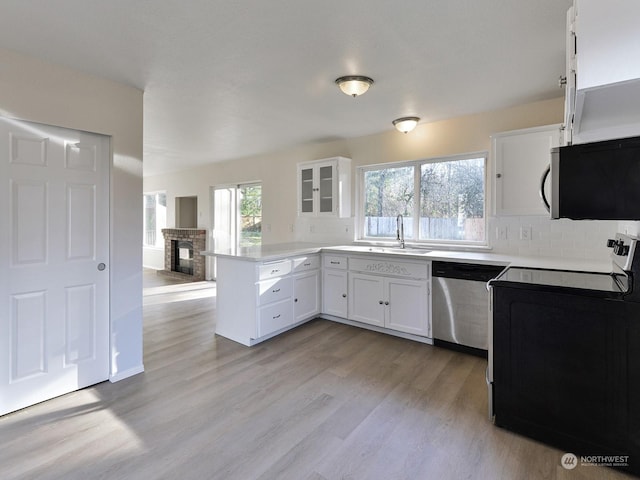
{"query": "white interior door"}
{"type": "Point", "coordinates": [54, 257]}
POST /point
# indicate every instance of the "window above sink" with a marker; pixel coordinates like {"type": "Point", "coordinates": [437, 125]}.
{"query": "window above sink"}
{"type": "Point", "coordinates": [442, 201]}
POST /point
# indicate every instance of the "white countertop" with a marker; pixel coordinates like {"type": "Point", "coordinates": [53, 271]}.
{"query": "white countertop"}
{"type": "Point", "coordinates": [265, 253]}
{"type": "Point", "coordinates": [262, 253]}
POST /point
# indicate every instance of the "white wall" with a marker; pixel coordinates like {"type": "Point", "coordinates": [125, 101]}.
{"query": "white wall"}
{"type": "Point", "coordinates": [41, 92]}
{"type": "Point", "coordinates": [277, 171]}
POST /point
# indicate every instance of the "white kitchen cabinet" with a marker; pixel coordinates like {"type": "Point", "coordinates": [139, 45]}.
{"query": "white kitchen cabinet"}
{"type": "Point", "coordinates": [256, 301]}
{"type": "Point", "coordinates": [334, 286]}
{"type": "Point", "coordinates": [395, 303]}
{"type": "Point", "coordinates": [366, 299]}
{"type": "Point", "coordinates": [519, 160]}
{"type": "Point", "coordinates": [306, 295]}
{"type": "Point", "coordinates": [324, 187]}
{"type": "Point", "coordinates": [605, 103]}
{"type": "Point", "coordinates": [408, 306]}
{"type": "Point", "coordinates": [390, 294]}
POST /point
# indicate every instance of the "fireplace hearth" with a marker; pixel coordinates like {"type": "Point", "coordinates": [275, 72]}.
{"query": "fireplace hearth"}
{"type": "Point", "coordinates": [182, 247]}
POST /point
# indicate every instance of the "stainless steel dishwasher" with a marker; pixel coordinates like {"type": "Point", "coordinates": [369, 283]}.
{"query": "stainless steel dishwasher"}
{"type": "Point", "coordinates": [460, 305]}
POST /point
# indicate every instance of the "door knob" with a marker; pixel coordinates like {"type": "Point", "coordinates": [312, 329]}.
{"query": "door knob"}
{"type": "Point", "coordinates": [101, 266]}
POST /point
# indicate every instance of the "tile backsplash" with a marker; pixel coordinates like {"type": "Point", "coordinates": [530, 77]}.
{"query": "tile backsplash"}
{"type": "Point", "coordinates": [324, 230]}
{"type": "Point", "coordinates": [536, 236]}
{"type": "Point", "coordinates": [541, 236]}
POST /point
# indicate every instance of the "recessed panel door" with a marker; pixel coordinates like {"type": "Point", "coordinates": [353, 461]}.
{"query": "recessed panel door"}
{"type": "Point", "coordinates": [54, 257]}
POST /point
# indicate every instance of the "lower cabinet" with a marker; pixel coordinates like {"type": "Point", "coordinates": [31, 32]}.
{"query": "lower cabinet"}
{"type": "Point", "coordinates": [258, 301]}
{"type": "Point", "coordinates": [408, 308]}
{"type": "Point", "coordinates": [395, 303]}
{"type": "Point", "coordinates": [334, 285]}
{"type": "Point", "coordinates": [366, 302]}
{"type": "Point", "coordinates": [334, 293]}
{"type": "Point", "coordinates": [306, 295]}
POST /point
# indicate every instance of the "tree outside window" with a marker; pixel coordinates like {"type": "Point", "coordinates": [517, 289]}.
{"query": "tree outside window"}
{"type": "Point", "coordinates": [451, 200]}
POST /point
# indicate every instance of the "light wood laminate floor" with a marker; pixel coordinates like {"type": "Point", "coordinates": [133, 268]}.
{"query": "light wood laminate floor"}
{"type": "Point", "coordinates": [325, 401]}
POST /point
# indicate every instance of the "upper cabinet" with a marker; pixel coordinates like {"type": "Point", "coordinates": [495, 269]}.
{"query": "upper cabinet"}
{"type": "Point", "coordinates": [519, 160]}
{"type": "Point", "coordinates": [603, 74]}
{"type": "Point", "coordinates": [324, 187]}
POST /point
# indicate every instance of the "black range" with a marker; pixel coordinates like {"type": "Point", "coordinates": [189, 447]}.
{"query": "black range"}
{"type": "Point", "coordinates": [564, 356]}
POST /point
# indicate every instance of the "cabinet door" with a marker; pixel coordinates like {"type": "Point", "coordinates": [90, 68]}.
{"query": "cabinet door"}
{"type": "Point", "coordinates": [608, 37]}
{"type": "Point", "coordinates": [366, 299]}
{"type": "Point", "coordinates": [520, 158]}
{"type": "Point", "coordinates": [334, 292]}
{"type": "Point", "coordinates": [326, 189]}
{"type": "Point", "coordinates": [306, 295]}
{"type": "Point", "coordinates": [306, 190]}
{"type": "Point", "coordinates": [408, 306]}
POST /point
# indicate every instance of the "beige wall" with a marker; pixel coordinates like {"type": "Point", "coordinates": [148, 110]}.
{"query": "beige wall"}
{"type": "Point", "coordinates": [277, 171]}
{"type": "Point", "coordinates": [41, 92]}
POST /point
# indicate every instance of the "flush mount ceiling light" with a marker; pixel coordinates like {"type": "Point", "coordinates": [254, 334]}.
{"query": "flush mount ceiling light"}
{"type": "Point", "coordinates": [354, 85]}
{"type": "Point", "coordinates": [406, 124]}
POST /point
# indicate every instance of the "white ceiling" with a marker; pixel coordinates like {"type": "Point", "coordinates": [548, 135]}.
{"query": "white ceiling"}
{"type": "Point", "coordinates": [224, 79]}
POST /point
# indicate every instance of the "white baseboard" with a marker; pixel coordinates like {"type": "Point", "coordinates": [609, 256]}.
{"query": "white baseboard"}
{"type": "Point", "coordinates": [126, 374]}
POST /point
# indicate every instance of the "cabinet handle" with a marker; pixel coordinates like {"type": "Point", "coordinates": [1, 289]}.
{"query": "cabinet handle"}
{"type": "Point", "coordinates": [306, 264]}
{"type": "Point", "coordinates": [334, 263]}
{"type": "Point", "coordinates": [380, 302]}
{"type": "Point", "coordinates": [277, 316]}
{"type": "Point", "coordinates": [295, 299]}
{"type": "Point", "coordinates": [275, 291]}
{"type": "Point", "coordinates": [344, 295]}
{"type": "Point", "coordinates": [498, 175]}
{"type": "Point", "coordinates": [275, 271]}
{"type": "Point", "coordinates": [386, 303]}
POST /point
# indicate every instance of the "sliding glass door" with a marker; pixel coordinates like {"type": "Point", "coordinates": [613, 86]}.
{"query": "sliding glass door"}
{"type": "Point", "coordinates": [237, 216]}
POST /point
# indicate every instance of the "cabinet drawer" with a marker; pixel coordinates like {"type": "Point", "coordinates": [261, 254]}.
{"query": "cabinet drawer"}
{"type": "Point", "coordinates": [333, 261]}
{"type": "Point", "coordinates": [274, 269]}
{"type": "Point", "coordinates": [274, 317]}
{"type": "Point", "coordinates": [274, 289]}
{"type": "Point", "coordinates": [302, 264]}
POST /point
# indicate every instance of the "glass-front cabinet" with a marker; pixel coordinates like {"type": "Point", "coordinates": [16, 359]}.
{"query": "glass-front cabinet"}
{"type": "Point", "coordinates": [324, 187]}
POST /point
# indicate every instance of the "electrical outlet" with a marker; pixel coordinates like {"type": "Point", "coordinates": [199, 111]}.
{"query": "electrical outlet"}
{"type": "Point", "coordinates": [525, 232]}
{"type": "Point", "coordinates": [501, 233]}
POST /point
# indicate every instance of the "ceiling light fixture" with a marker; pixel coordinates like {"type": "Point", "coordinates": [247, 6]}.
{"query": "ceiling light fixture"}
{"type": "Point", "coordinates": [406, 124]}
{"type": "Point", "coordinates": [354, 85]}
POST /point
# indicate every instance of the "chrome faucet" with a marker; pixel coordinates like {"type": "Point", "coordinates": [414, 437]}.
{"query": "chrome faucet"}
{"type": "Point", "coordinates": [400, 229]}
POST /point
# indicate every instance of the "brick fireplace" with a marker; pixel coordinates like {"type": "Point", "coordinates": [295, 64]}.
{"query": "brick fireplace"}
{"type": "Point", "coordinates": [182, 247]}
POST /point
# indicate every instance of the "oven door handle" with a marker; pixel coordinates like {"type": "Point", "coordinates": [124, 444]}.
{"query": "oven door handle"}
{"type": "Point", "coordinates": [543, 180]}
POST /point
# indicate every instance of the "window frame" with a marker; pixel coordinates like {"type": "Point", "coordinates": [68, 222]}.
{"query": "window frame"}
{"type": "Point", "coordinates": [417, 164]}
{"type": "Point", "coordinates": [159, 245]}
